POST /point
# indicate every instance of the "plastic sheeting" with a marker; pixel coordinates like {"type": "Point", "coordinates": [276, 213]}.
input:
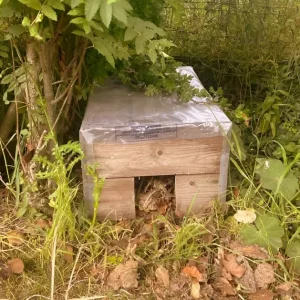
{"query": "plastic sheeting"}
{"type": "Point", "coordinates": [117, 114]}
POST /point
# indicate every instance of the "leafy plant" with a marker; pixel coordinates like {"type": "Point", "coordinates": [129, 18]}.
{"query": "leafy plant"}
{"type": "Point", "coordinates": [277, 177]}
{"type": "Point", "coordinates": [266, 232]}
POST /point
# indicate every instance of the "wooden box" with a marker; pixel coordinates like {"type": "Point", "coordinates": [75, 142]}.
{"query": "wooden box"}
{"type": "Point", "coordinates": [128, 134]}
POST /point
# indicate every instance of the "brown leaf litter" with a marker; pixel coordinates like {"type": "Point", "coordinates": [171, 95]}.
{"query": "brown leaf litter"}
{"type": "Point", "coordinates": [124, 275]}
{"type": "Point", "coordinates": [157, 195]}
{"type": "Point", "coordinates": [264, 275]}
{"type": "Point", "coordinates": [162, 276]}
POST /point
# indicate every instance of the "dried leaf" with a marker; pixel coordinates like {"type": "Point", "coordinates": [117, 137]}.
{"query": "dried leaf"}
{"type": "Point", "coordinates": [193, 272]}
{"type": "Point", "coordinates": [253, 251]}
{"type": "Point", "coordinates": [69, 254]}
{"type": "Point", "coordinates": [4, 193]}
{"type": "Point", "coordinates": [233, 267]}
{"type": "Point", "coordinates": [125, 275]}
{"type": "Point", "coordinates": [247, 281]}
{"type": "Point", "coordinates": [162, 276]}
{"type": "Point", "coordinates": [16, 265]}
{"type": "Point", "coordinates": [264, 275]}
{"type": "Point", "coordinates": [42, 223]}
{"type": "Point", "coordinates": [245, 216]}
{"type": "Point", "coordinates": [262, 295]}
{"type": "Point", "coordinates": [224, 286]}
{"type": "Point", "coordinates": [285, 287]}
{"type": "Point", "coordinates": [195, 290]}
{"type": "Point", "coordinates": [15, 238]}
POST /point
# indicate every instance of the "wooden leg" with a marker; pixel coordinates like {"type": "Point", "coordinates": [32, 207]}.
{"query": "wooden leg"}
{"type": "Point", "coordinates": [195, 192]}
{"type": "Point", "coordinates": [116, 200]}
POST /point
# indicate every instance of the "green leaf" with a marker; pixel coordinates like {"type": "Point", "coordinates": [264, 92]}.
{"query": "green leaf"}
{"type": "Point", "coordinates": [130, 34]}
{"type": "Point", "coordinates": [140, 43]}
{"type": "Point", "coordinates": [102, 49]}
{"type": "Point", "coordinates": [111, 1]}
{"type": "Point", "coordinates": [148, 33]}
{"type": "Point", "coordinates": [49, 12]}
{"type": "Point", "coordinates": [271, 172]}
{"type": "Point", "coordinates": [152, 55]}
{"type": "Point", "coordinates": [86, 27]}
{"type": "Point", "coordinates": [293, 252]}
{"type": "Point", "coordinates": [34, 31]}
{"type": "Point", "coordinates": [151, 90]}
{"type": "Point", "coordinates": [6, 12]}
{"type": "Point", "coordinates": [79, 32]}
{"type": "Point", "coordinates": [26, 22]}
{"type": "Point", "coordinates": [78, 20]}
{"type": "Point", "coordinates": [106, 13]}
{"type": "Point", "coordinates": [78, 11]}
{"type": "Point", "coordinates": [4, 48]}
{"type": "Point", "coordinates": [7, 79]}
{"type": "Point", "coordinates": [120, 9]}
{"type": "Point", "coordinates": [56, 4]}
{"type": "Point", "coordinates": [75, 3]}
{"type": "Point", "coordinates": [91, 8]}
{"type": "Point", "coordinates": [96, 25]}
{"type": "Point", "coordinates": [3, 54]}
{"type": "Point", "coordinates": [266, 233]}
{"type": "Point", "coordinates": [35, 4]}
{"type": "Point", "coordinates": [16, 30]}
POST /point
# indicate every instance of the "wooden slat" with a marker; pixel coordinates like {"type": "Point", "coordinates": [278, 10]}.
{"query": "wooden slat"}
{"type": "Point", "coordinates": [116, 200]}
{"type": "Point", "coordinates": [161, 157]}
{"type": "Point", "coordinates": [194, 192]}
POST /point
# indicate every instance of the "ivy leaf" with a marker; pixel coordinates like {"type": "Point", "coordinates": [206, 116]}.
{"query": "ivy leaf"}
{"type": "Point", "coordinates": [140, 42]}
{"type": "Point", "coordinates": [91, 8]}
{"type": "Point", "coordinates": [120, 9]}
{"type": "Point", "coordinates": [130, 34]}
{"type": "Point", "coordinates": [271, 172]}
{"type": "Point", "coordinates": [293, 251]}
{"type": "Point", "coordinates": [75, 3]}
{"type": "Point", "coordinates": [106, 13]}
{"type": "Point", "coordinates": [56, 4]}
{"type": "Point", "coordinates": [266, 233]}
{"type": "Point", "coordinates": [49, 12]}
{"type": "Point", "coordinates": [35, 4]}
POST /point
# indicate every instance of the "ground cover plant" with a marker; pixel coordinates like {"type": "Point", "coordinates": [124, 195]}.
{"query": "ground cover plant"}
{"type": "Point", "coordinates": [51, 54]}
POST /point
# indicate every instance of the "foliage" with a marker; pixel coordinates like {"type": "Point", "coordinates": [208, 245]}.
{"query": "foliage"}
{"type": "Point", "coordinates": [266, 233]}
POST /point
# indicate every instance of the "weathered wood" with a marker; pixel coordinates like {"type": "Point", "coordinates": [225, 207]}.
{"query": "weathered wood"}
{"type": "Point", "coordinates": [116, 200]}
{"type": "Point", "coordinates": [194, 192]}
{"type": "Point", "coordinates": [159, 157]}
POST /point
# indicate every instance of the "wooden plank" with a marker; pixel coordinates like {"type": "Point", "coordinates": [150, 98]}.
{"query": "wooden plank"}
{"type": "Point", "coordinates": [159, 157]}
{"type": "Point", "coordinates": [117, 199]}
{"type": "Point", "coordinates": [194, 192]}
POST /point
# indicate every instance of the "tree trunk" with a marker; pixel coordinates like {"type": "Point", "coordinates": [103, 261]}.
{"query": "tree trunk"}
{"type": "Point", "coordinates": [8, 123]}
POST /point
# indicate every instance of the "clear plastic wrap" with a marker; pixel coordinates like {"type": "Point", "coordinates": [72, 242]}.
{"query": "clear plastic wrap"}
{"type": "Point", "coordinates": [116, 115]}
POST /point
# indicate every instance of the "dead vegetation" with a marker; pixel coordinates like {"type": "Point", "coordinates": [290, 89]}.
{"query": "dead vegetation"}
{"type": "Point", "coordinates": [157, 256]}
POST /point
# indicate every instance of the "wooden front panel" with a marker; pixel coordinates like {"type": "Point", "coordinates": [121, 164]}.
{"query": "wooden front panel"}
{"type": "Point", "coordinates": [117, 199]}
{"type": "Point", "coordinates": [160, 157]}
{"type": "Point", "coordinates": [194, 192]}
